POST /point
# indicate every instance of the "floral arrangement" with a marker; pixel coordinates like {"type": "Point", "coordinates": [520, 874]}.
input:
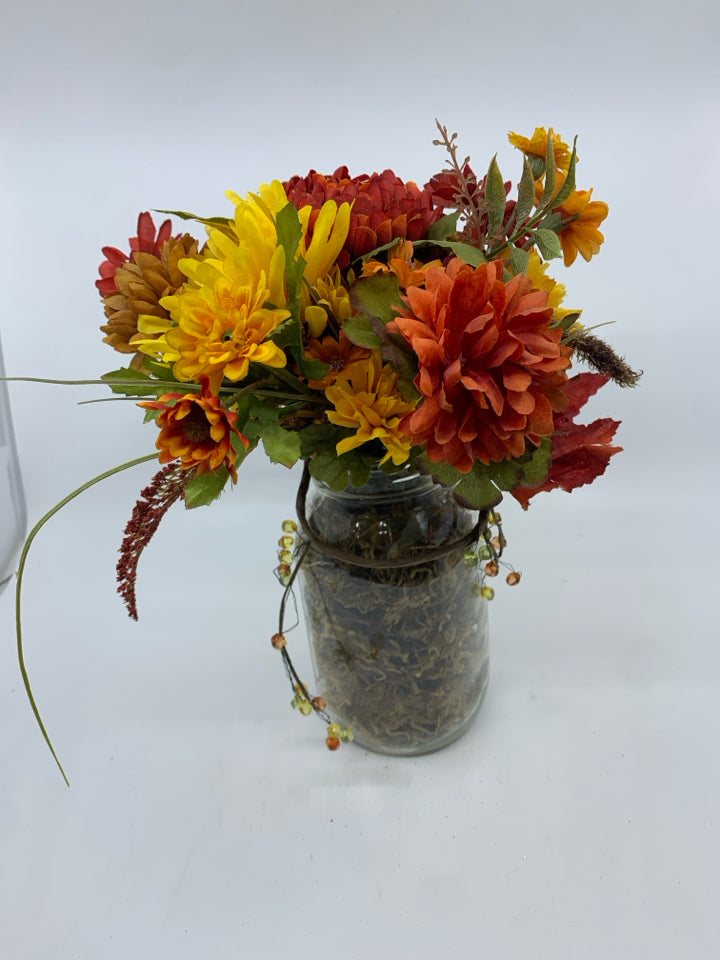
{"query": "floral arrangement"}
{"type": "Point", "coordinates": [361, 322]}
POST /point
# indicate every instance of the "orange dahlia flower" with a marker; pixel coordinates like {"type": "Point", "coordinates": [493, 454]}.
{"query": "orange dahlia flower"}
{"type": "Point", "coordinates": [197, 430]}
{"type": "Point", "coordinates": [491, 370]}
{"type": "Point", "coordinates": [383, 207]}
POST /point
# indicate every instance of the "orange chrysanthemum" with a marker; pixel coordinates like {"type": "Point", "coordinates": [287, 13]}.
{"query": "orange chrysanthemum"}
{"type": "Point", "coordinates": [197, 430]}
{"type": "Point", "coordinates": [383, 207]}
{"type": "Point", "coordinates": [491, 369]}
{"type": "Point", "coordinates": [401, 261]}
{"type": "Point", "coordinates": [338, 354]}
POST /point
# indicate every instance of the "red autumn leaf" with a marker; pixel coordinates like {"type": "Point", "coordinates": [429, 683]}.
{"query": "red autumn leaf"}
{"type": "Point", "coordinates": [581, 452]}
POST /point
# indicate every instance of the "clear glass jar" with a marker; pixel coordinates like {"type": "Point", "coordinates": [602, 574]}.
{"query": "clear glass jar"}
{"type": "Point", "coordinates": [13, 516]}
{"type": "Point", "coordinates": [397, 628]}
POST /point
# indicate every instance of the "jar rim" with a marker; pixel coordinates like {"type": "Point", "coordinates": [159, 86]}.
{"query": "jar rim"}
{"type": "Point", "coordinates": [381, 486]}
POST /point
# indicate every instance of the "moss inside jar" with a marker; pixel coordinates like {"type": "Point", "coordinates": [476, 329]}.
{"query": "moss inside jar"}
{"type": "Point", "coordinates": [397, 629]}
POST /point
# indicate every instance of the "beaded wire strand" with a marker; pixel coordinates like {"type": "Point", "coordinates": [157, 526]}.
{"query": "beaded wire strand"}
{"type": "Point", "coordinates": [291, 561]}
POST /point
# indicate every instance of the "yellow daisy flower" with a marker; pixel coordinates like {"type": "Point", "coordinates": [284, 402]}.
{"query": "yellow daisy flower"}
{"type": "Point", "coordinates": [537, 146]}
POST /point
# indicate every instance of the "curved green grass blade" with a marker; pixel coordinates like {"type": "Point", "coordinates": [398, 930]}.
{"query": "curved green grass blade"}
{"type": "Point", "coordinates": [18, 588]}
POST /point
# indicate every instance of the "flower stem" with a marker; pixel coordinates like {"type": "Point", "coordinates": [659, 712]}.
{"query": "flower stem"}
{"type": "Point", "coordinates": [18, 587]}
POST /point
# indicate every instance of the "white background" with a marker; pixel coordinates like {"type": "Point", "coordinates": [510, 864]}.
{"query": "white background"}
{"type": "Point", "coordinates": [578, 818]}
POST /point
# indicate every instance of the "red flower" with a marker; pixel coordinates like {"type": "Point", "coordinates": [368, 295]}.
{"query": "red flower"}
{"type": "Point", "coordinates": [445, 188]}
{"type": "Point", "coordinates": [491, 369]}
{"type": "Point", "coordinates": [581, 452]}
{"type": "Point", "coordinates": [384, 208]}
{"type": "Point", "coordinates": [146, 241]}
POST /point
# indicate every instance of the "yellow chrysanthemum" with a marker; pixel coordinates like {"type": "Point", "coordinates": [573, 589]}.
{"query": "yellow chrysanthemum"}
{"type": "Point", "coordinates": [330, 297]}
{"type": "Point", "coordinates": [537, 146]}
{"type": "Point", "coordinates": [218, 330]}
{"type": "Point", "coordinates": [323, 291]}
{"type": "Point", "coordinates": [537, 271]}
{"type": "Point", "coordinates": [235, 295]}
{"type": "Point", "coordinates": [251, 252]}
{"type": "Point", "coordinates": [365, 397]}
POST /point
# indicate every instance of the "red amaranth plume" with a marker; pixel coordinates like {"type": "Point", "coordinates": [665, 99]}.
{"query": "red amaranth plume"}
{"type": "Point", "coordinates": [165, 488]}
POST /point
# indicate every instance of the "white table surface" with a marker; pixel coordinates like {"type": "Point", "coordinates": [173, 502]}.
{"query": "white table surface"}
{"type": "Point", "coordinates": [577, 820]}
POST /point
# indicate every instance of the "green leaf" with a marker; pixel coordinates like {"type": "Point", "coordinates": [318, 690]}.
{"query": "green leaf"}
{"type": "Point", "coordinates": [550, 172]}
{"type": "Point", "coordinates": [115, 380]}
{"type": "Point", "coordinates": [359, 330]}
{"type": "Point", "coordinates": [551, 221]}
{"type": "Point", "coordinates": [360, 469]}
{"type": "Point", "coordinates": [519, 260]}
{"type": "Point", "coordinates": [281, 446]}
{"type": "Point", "coordinates": [537, 165]}
{"type": "Point", "coordinates": [536, 469]}
{"type": "Point", "coordinates": [396, 352]}
{"type": "Point", "coordinates": [328, 468]}
{"type": "Point", "coordinates": [206, 487]}
{"type": "Point", "coordinates": [240, 449]}
{"type": "Point", "coordinates": [440, 472]}
{"type": "Point", "coordinates": [548, 243]}
{"type": "Point", "coordinates": [477, 490]}
{"type": "Point", "coordinates": [289, 229]}
{"type": "Point", "coordinates": [316, 437]}
{"type": "Point", "coordinates": [376, 295]}
{"type": "Point", "coordinates": [474, 490]}
{"type": "Point", "coordinates": [220, 223]}
{"type": "Point", "coordinates": [163, 371]}
{"type": "Point", "coordinates": [569, 186]}
{"type": "Point", "coordinates": [289, 232]}
{"type": "Point", "coordinates": [465, 252]}
{"type": "Point", "coordinates": [506, 474]}
{"type": "Point", "coordinates": [259, 412]}
{"type": "Point", "coordinates": [564, 323]}
{"type": "Point", "coordinates": [444, 227]}
{"type": "Point", "coordinates": [526, 195]}
{"type": "Point", "coordinates": [495, 199]}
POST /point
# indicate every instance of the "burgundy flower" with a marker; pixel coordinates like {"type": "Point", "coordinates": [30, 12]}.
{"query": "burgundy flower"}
{"type": "Point", "coordinates": [384, 208]}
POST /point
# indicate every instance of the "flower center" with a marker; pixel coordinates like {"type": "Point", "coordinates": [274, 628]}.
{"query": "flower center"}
{"type": "Point", "coordinates": [196, 427]}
